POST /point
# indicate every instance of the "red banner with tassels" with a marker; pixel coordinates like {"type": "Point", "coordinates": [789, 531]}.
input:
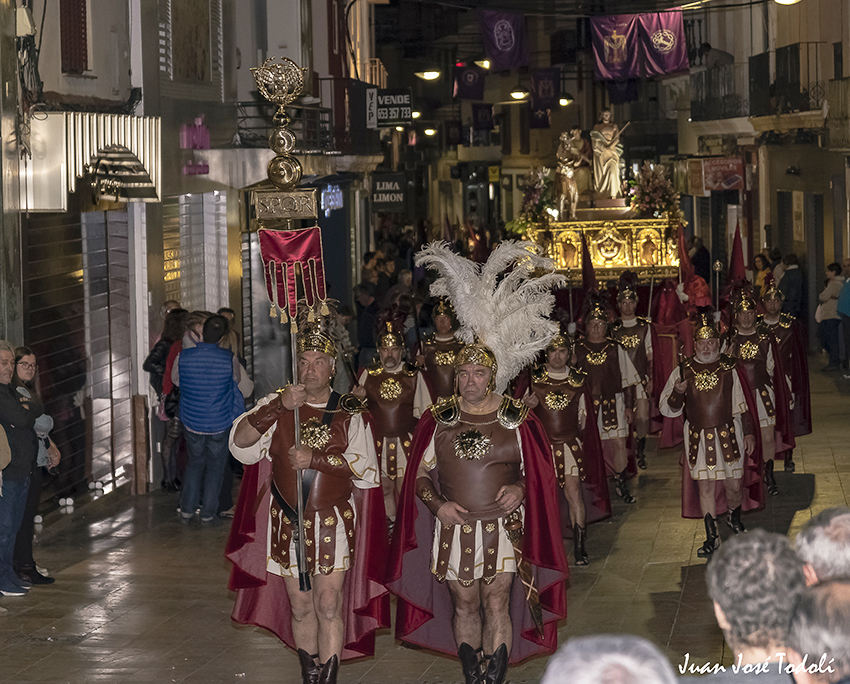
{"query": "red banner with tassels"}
{"type": "Point", "coordinates": [282, 251]}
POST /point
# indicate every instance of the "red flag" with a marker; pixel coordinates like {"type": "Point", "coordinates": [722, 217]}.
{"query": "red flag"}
{"type": "Point", "coordinates": [281, 251]}
{"type": "Point", "coordinates": [737, 269]}
{"type": "Point", "coordinates": [686, 268]}
{"type": "Point", "coordinates": [588, 275]}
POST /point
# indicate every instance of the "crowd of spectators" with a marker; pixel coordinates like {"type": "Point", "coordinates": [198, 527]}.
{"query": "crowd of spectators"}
{"type": "Point", "coordinates": [784, 612]}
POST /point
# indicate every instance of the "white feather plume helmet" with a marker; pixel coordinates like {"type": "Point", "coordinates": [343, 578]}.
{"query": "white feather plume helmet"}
{"type": "Point", "coordinates": [502, 303]}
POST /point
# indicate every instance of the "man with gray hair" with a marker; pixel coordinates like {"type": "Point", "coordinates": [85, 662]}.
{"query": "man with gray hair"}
{"type": "Point", "coordinates": [819, 638]}
{"type": "Point", "coordinates": [754, 580]}
{"type": "Point", "coordinates": [609, 659]}
{"type": "Point", "coordinates": [824, 545]}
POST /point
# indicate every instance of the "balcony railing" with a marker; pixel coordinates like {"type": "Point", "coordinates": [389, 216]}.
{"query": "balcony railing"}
{"type": "Point", "coordinates": [719, 93]}
{"type": "Point", "coordinates": [311, 125]}
{"type": "Point", "coordinates": [797, 85]}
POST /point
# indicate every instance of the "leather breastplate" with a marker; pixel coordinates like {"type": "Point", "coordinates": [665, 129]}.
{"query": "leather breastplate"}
{"type": "Point", "coordinates": [557, 409]}
{"type": "Point", "coordinates": [633, 340]}
{"type": "Point", "coordinates": [439, 365]}
{"type": "Point", "coordinates": [602, 365]}
{"type": "Point", "coordinates": [708, 398]}
{"type": "Point", "coordinates": [474, 482]}
{"type": "Point", "coordinates": [784, 336]}
{"type": "Point", "coordinates": [751, 352]}
{"type": "Point", "coordinates": [390, 401]}
{"type": "Point", "coordinates": [327, 490]}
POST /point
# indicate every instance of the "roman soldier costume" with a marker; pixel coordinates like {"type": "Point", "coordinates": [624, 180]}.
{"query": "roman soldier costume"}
{"type": "Point", "coordinates": [612, 380]}
{"type": "Point", "coordinates": [563, 406]}
{"type": "Point", "coordinates": [344, 523]}
{"type": "Point", "coordinates": [396, 399]}
{"type": "Point", "coordinates": [791, 348]}
{"type": "Point", "coordinates": [636, 335]}
{"type": "Point", "coordinates": [717, 411]}
{"type": "Point", "coordinates": [469, 458]}
{"type": "Point", "coordinates": [440, 352]}
{"type": "Point", "coordinates": [758, 355]}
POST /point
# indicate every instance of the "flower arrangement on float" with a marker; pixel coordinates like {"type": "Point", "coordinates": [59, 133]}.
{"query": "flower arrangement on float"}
{"type": "Point", "coordinates": [652, 194]}
{"type": "Point", "coordinates": [536, 200]}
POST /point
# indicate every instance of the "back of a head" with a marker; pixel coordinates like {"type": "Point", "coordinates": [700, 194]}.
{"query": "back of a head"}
{"type": "Point", "coordinates": [366, 288]}
{"type": "Point", "coordinates": [775, 254]}
{"type": "Point", "coordinates": [824, 543]}
{"type": "Point", "coordinates": [820, 628]}
{"type": "Point", "coordinates": [756, 578]}
{"type": "Point", "coordinates": [790, 259]}
{"type": "Point", "coordinates": [214, 329]}
{"type": "Point", "coordinates": [609, 659]}
{"type": "Point", "coordinates": [174, 326]}
{"type": "Point", "coordinates": [835, 268]}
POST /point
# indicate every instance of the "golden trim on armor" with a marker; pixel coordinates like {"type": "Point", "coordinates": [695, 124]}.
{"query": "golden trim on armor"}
{"type": "Point", "coordinates": [471, 444]}
{"type": "Point", "coordinates": [597, 358]}
{"type": "Point", "coordinates": [352, 404]}
{"type": "Point", "coordinates": [557, 401]}
{"type": "Point", "coordinates": [444, 358]}
{"type": "Point", "coordinates": [335, 461]}
{"type": "Point", "coordinates": [375, 368]}
{"type": "Point", "coordinates": [539, 374]}
{"type": "Point", "coordinates": [315, 434]}
{"type": "Point", "coordinates": [630, 341]}
{"type": "Point", "coordinates": [348, 514]}
{"type": "Point", "coordinates": [727, 362]}
{"type": "Point", "coordinates": [426, 495]}
{"type": "Point", "coordinates": [512, 412]}
{"type": "Point", "coordinates": [749, 350]}
{"type": "Point", "coordinates": [390, 389]}
{"type": "Point", "coordinates": [705, 380]}
{"type": "Point", "coordinates": [576, 377]}
{"type": "Point", "coordinates": [446, 411]}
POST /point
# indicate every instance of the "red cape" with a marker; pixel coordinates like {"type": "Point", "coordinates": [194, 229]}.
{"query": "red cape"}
{"type": "Point", "coordinates": [261, 597]}
{"type": "Point", "coordinates": [784, 431]}
{"type": "Point", "coordinates": [801, 415]}
{"type": "Point", "coordinates": [752, 492]}
{"type": "Point", "coordinates": [424, 614]}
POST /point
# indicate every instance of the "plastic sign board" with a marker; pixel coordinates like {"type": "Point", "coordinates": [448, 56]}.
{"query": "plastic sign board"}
{"type": "Point", "coordinates": [387, 107]}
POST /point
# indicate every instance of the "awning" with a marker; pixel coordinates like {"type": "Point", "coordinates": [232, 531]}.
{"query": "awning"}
{"type": "Point", "coordinates": [116, 174]}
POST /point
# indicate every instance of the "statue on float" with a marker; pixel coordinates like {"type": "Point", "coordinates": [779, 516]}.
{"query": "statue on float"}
{"type": "Point", "coordinates": [573, 177]}
{"type": "Point", "coordinates": [607, 151]}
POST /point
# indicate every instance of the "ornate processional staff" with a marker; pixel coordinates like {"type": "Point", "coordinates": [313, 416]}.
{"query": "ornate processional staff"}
{"type": "Point", "coordinates": [289, 252]}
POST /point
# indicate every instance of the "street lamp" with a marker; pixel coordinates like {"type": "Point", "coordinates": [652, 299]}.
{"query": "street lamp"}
{"type": "Point", "coordinates": [483, 63]}
{"type": "Point", "coordinates": [430, 132]}
{"type": "Point", "coordinates": [786, 2]}
{"type": "Point", "coordinates": [430, 74]}
{"type": "Point", "coordinates": [415, 114]}
{"type": "Point", "coordinates": [566, 99]}
{"type": "Point", "coordinates": [520, 93]}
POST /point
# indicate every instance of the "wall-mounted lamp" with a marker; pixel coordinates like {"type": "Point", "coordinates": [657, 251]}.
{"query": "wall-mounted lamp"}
{"type": "Point", "coordinates": [431, 74]}
{"type": "Point", "coordinates": [430, 132]}
{"type": "Point", "coordinates": [520, 93]}
{"type": "Point", "coordinates": [415, 114]}
{"type": "Point", "coordinates": [483, 63]}
{"type": "Point", "coordinates": [565, 100]}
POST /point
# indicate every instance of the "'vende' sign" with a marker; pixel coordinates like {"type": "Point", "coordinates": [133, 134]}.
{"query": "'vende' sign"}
{"type": "Point", "coordinates": [387, 107]}
{"type": "Point", "coordinates": [388, 192]}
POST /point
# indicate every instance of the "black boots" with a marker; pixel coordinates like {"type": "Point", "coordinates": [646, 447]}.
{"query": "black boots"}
{"type": "Point", "coordinates": [497, 668]}
{"type": "Point", "coordinates": [29, 573]}
{"type": "Point", "coordinates": [327, 675]}
{"type": "Point", "coordinates": [641, 456]}
{"type": "Point", "coordinates": [621, 486]}
{"type": "Point", "coordinates": [309, 670]}
{"type": "Point", "coordinates": [733, 519]}
{"type": "Point", "coordinates": [470, 663]}
{"type": "Point", "coordinates": [769, 479]}
{"type": "Point", "coordinates": [579, 538]}
{"type": "Point", "coordinates": [712, 541]}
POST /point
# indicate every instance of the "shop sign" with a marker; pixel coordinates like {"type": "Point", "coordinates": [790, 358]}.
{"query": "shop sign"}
{"type": "Point", "coordinates": [723, 173]}
{"type": "Point", "coordinates": [388, 192]}
{"type": "Point", "coordinates": [388, 107]}
{"type": "Point", "coordinates": [493, 173]}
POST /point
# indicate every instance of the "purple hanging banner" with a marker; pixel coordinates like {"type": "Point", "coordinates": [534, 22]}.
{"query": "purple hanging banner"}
{"type": "Point", "coordinates": [662, 43]}
{"type": "Point", "coordinates": [540, 118]}
{"type": "Point", "coordinates": [615, 47]}
{"type": "Point", "coordinates": [469, 83]}
{"type": "Point", "coordinates": [505, 42]}
{"type": "Point", "coordinates": [545, 88]}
